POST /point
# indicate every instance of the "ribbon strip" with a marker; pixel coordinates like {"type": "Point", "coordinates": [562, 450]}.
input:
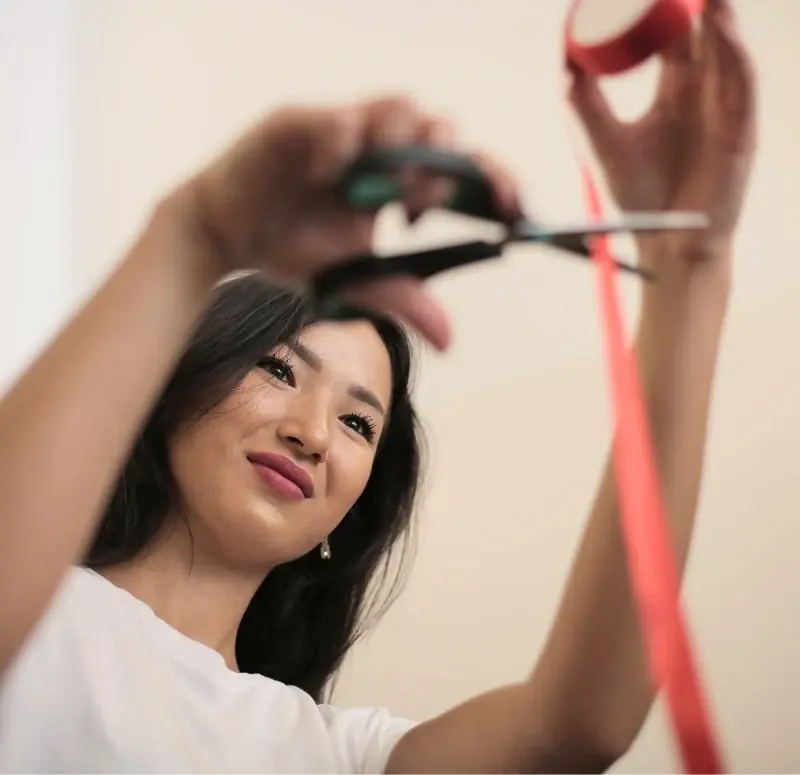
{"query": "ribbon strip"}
{"type": "Point", "coordinates": [652, 564]}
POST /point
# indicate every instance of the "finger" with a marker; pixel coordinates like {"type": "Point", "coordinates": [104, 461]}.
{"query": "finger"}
{"type": "Point", "coordinates": [714, 12]}
{"type": "Point", "coordinates": [680, 73]}
{"type": "Point", "coordinates": [395, 122]}
{"type": "Point", "coordinates": [717, 14]}
{"type": "Point", "coordinates": [721, 21]}
{"type": "Point", "coordinates": [595, 113]}
{"type": "Point", "coordinates": [503, 185]}
{"type": "Point", "coordinates": [337, 137]}
{"type": "Point", "coordinates": [733, 77]}
{"type": "Point", "coordinates": [408, 299]}
{"type": "Point", "coordinates": [424, 189]}
{"type": "Point", "coordinates": [683, 50]}
{"type": "Point", "coordinates": [299, 141]}
{"type": "Point", "coordinates": [391, 122]}
{"type": "Point", "coordinates": [719, 9]}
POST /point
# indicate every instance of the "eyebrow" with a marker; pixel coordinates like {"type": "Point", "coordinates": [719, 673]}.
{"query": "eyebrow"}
{"type": "Point", "coordinates": [313, 361]}
{"type": "Point", "coordinates": [309, 357]}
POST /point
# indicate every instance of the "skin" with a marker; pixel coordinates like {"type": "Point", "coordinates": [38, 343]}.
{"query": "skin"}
{"type": "Point", "coordinates": [268, 202]}
{"type": "Point", "coordinates": [315, 403]}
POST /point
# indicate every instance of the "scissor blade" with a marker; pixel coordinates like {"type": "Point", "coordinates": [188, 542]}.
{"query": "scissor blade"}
{"type": "Point", "coordinates": [574, 243]}
{"type": "Point", "coordinates": [631, 222]}
{"type": "Point", "coordinates": [623, 266]}
{"type": "Point", "coordinates": [421, 264]}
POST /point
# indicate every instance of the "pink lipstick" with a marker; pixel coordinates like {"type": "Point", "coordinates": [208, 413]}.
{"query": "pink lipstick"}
{"type": "Point", "coordinates": [283, 476]}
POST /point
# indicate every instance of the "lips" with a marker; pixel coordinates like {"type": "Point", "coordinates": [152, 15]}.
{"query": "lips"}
{"type": "Point", "coordinates": [275, 468]}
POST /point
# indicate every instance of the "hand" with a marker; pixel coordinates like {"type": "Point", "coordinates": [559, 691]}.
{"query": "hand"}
{"type": "Point", "coordinates": [271, 201]}
{"type": "Point", "coordinates": [693, 149]}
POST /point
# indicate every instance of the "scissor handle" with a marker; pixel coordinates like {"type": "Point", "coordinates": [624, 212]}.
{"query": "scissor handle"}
{"type": "Point", "coordinates": [372, 181]}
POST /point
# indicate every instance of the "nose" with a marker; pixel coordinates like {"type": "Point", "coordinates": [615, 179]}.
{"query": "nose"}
{"type": "Point", "coordinates": [305, 429]}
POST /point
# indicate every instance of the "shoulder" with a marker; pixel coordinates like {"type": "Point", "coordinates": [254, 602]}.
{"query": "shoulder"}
{"type": "Point", "coordinates": [82, 593]}
{"type": "Point", "coordinates": [83, 608]}
{"type": "Point", "coordinates": [63, 667]}
{"type": "Point", "coordinates": [96, 658]}
{"type": "Point", "coordinates": [82, 598]}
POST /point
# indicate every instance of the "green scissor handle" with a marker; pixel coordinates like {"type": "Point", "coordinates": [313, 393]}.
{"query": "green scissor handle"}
{"type": "Point", "coordinates": [373, 181]}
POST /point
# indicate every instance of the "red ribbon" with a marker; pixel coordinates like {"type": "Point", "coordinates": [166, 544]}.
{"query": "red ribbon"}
{"type": "Point", "coordinates": [663, 23]}
{"type": "Point", "coordinates": [651, 559]}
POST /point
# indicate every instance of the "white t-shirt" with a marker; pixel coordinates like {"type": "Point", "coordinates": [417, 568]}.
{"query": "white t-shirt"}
{"type": "Point", "coordinates": [104, 685]}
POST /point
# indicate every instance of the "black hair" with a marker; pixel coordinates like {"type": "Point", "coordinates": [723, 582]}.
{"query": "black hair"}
{"type": "Point", "coordinates": [307, 613]}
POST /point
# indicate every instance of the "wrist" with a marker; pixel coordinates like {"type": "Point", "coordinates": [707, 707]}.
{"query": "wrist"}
{"type": "Point", "coordinates": [683, 310]}
{"type": "Point", "coordinates": [686, 272]}
{"type": "Point", "coordinates": [179, 215]}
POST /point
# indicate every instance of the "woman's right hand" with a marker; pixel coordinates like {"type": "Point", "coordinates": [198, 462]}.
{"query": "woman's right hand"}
{"type": "Point", "coordinates": [270, 202]}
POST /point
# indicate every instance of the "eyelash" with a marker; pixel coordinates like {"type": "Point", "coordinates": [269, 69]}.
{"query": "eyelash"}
{"type": "Point", "coordinates": [364, 425]}
{"type": "Point", "coordinates": [367, 425]}
{"type": "Point", "coordinates": [281, 362]}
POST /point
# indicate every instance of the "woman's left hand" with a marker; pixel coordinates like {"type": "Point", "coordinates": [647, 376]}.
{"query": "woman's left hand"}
{"type": "Point", "coordinates": [693, 149]}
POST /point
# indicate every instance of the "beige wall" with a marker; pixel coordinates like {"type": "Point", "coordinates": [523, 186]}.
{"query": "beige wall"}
{"type": "Point", "coordinates": [36, 106]}
{"type": "Point", "coordinates": [517, 412]}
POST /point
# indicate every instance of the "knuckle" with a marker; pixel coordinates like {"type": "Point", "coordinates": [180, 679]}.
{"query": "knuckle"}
{"type": "Point", "coordinates": [390, 106]}
{"type": "Point", "coordinates": [440, 131]}
{"type": "Point", "coordinates": [401, 103]}
{"type": "Point", "coordinates": [339, 122]}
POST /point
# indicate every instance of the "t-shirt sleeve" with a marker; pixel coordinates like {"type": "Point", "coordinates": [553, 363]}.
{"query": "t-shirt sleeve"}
{"type": "Point", "coordinates": [363, 738]}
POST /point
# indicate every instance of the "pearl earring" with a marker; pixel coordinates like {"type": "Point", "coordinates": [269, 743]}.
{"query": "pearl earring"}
{"type": "Point", "coordinates": [325, 549]}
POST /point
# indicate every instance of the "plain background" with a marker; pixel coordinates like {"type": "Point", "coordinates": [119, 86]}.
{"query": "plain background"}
{"type": "Point", "coordinates": [107, 103]}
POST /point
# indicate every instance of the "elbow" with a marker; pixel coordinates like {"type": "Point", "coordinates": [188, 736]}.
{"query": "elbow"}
{"type": "Point", "coordinates": [595, 751]}
{"type": "Point", "coordinates": [603, 755]}
{"type": "Point", "coordinates": [572, 758]}
{"type": "Point", "coordinates": [604, 747]}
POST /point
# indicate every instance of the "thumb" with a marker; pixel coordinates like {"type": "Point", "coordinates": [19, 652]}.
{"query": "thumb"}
{"type": "Point", "coordinates": [591, 105]}
{"type": "Point", "coordinates": [407, 298]}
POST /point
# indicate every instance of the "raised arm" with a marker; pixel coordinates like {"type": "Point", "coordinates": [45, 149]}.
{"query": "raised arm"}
{"type": "Point", "coordinates": [592, 677]}
{"type": "Point", "coordinates": [590, 692]}
{"type": "Point", "coordinates": [67, 425]}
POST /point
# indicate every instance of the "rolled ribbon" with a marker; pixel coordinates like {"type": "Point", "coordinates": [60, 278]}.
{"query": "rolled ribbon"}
{"type": "Point", "coordinates": [652, 565]}
{"type": "Point", "coordinates": [655, 26]}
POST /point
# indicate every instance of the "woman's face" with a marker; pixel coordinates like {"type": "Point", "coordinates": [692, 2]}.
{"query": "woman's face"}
{"type": "Point", "coordinates": [274, 468]}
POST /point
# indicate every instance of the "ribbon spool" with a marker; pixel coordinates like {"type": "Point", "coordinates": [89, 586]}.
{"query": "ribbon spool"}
{"type": "Point", "coordinates": [606, 38]}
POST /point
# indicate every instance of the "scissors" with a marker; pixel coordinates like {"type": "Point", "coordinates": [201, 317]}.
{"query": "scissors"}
{"type": "Point", "coordinates": [374, 181]}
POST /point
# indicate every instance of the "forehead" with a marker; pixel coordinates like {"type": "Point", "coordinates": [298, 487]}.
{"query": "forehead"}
{"type": "Point", "coordinates": [351, 352]}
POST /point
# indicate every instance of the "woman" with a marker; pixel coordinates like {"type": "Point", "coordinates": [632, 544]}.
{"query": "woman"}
{"type": "Point", "coordinates": [265, 477]}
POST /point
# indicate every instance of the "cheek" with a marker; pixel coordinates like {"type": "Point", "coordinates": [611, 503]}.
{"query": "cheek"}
{"type": "Point", "coordinates": [251, 397]}
{"type": "Point", "coordinates": [198, 460]}
{"type": "Point", "coordinates": [251, 407]}
{"type": "Point", "coordinates": [206, 454]}
{"type": "Point", "coordinates": [351, 476]}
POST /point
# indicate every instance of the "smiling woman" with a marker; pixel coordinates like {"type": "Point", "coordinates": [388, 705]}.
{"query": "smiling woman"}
{"type": "Point", "coordinates": [180, 593]}
{"type": "Point", "coordinates": [280, 441]}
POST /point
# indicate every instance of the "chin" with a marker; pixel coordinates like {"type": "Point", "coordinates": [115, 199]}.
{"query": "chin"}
{"type": "Point", "coordinates": [265, 536]}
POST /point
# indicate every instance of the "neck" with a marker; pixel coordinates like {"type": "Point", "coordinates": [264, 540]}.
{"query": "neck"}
{"type": "Point", "coordinates": [202, 600]}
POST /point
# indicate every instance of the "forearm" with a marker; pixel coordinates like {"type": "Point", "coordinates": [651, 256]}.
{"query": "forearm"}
{"type": "Point", "coordinates": [68, 423]}
{"type": "Point", "coordinates": [592, 678]}
{"type": "Point", "coordinates": [590, 691]}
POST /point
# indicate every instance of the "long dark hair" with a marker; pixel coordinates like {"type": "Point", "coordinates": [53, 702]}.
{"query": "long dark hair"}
{"type": "Point", "coordinates": [309, 612]}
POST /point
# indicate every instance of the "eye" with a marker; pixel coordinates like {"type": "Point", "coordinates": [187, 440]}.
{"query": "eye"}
{"type": "Point", "coordinates": [361, 424]}
{"type": "Point", "coordinates": [278, 367]}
